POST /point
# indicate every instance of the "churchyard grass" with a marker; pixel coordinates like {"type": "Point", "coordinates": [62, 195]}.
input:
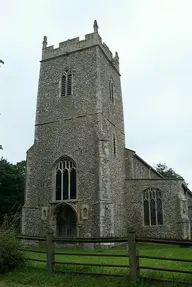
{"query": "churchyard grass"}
{"type": "Point", "coordinates": [33, 278]}
{"type": "Point", "coordinates": [39, 277]}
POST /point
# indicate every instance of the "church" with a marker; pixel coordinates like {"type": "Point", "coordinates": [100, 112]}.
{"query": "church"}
{"type": "Point", "coordinates": [81, 179]}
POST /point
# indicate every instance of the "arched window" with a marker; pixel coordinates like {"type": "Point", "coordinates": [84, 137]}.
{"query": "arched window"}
{"type": "Point", "coordinates": [152, 206]}
{"type": "Point", "coordinates": [66, 180]}
{"type": "Point", "coordinates": [66, 84]}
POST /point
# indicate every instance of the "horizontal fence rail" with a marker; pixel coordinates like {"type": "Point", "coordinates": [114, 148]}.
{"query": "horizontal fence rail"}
{"type": "Point", "coordinates": [166, 269]}
{"type": "Point", "coordinates": [92, 264]}
{"type": "Point", "coordinates": [91, 254]}
{"type": "Point", "coordinates": [31, 238]}
{"type": "Point", "coordinates": [183, 242]}
{"type": "Point", "coordinates": [32, 250]}
{"type": "Point", "coordinates": [133, 265]}
{"type": "Point", "coordinates": [91, 240]}
{"type": "Point", "coordinates": [166, 258]}
{"type": "Point", "coordinates": [34, 259]}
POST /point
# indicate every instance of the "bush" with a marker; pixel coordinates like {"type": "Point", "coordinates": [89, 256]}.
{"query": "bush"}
{"type": "Point", "coordinates": [10, 256]}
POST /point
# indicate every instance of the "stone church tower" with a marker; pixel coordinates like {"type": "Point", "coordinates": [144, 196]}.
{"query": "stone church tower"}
{"type": "Point", "coordinates": [75, 168]}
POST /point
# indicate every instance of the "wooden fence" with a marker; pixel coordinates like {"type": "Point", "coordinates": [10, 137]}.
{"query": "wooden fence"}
{"type": "Point", "coordinates": [133, 262]}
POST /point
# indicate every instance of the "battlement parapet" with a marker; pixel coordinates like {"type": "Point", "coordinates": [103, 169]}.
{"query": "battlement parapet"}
{"type": "Point", "coordinates": [75, 44]}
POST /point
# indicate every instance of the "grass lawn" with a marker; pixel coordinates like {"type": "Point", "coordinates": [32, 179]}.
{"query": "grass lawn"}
{"type": "Point", "coordinates": [30, 277]}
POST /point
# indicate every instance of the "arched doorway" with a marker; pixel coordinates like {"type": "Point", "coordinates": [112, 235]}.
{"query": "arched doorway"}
{"type": "Point", "coordinates": [66, 222]}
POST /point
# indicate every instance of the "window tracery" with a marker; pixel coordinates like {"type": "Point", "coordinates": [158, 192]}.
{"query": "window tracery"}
{"type": "Point", "coordinates": [152, 207]}
{"type": "Point", "coordinates": [66, 180]}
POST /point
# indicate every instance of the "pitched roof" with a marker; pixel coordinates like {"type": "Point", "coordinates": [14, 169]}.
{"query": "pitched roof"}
{"type": "Point", "coordinates": [145, 163]}
{"type": "Point", "coordinates": [149, 166]}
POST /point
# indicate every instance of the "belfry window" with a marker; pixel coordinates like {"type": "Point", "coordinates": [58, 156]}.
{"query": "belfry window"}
{"type": "Point", "coordinates": [66, 84]}
{"type": "Point", "coordinates": [111, 90]}
{"type": "Point", "coordinates": [152, 207]}
{"type": "Point", "coordinates": [66, 180]}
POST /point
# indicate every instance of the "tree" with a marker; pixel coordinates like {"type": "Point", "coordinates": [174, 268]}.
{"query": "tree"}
{"type": "Point", "coordinates": [1, 61]}
{"type": "Point", "coordinates": [0, 144]}
{"type": "Point", "coordinates": [12, 186]}
{"type": "Point", "coordinates": [167, 172]}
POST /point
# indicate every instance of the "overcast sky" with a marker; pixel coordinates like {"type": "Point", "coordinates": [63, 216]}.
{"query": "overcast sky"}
{"type": "Point", "coordinates": [154, 42]}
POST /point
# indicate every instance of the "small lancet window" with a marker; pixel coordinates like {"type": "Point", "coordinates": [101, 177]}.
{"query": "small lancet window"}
{"type": "Point", "coordinates": [66, 84]}
{"type": "Point", "coordinates": [152, 207]}
{"type": "Point", "coordinates": [69, 83]}
{"type": "Point", "coordinates": [114, 144]}
{"type": "Point", "coordinates": [111, 96]}
{"type": "Point", "coordinates": [63, 85]}
{"type": "Point", "coordinates": [66, 180]}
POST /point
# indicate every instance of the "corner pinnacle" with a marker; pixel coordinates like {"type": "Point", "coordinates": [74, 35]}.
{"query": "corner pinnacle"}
{"type": "Point", "coordinates": [95, 27]}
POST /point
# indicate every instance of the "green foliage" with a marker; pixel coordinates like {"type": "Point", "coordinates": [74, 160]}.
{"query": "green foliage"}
{"type": "Point", "coordinates": [28, 277]}
{"type": "Point", "coordinates": [12, 186]}
{"type": "Point", "coordinates": [10, 256]}
{"type": "Point", "coordinates": [166, 171]}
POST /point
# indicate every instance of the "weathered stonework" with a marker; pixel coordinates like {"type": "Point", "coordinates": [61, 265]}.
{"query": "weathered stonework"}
{"type": "Point", "coordinates": [173, 197]}
{"type": "Point", "coordinates": [88, 127]}
{"type": "Point", "coordinates": [79, 126]}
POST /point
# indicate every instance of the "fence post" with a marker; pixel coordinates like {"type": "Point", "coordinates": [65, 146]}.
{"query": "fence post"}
{"type": "Point", "coordinates": [50, 251]}
{"type": "Point", "coordinates": [133, 257]}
